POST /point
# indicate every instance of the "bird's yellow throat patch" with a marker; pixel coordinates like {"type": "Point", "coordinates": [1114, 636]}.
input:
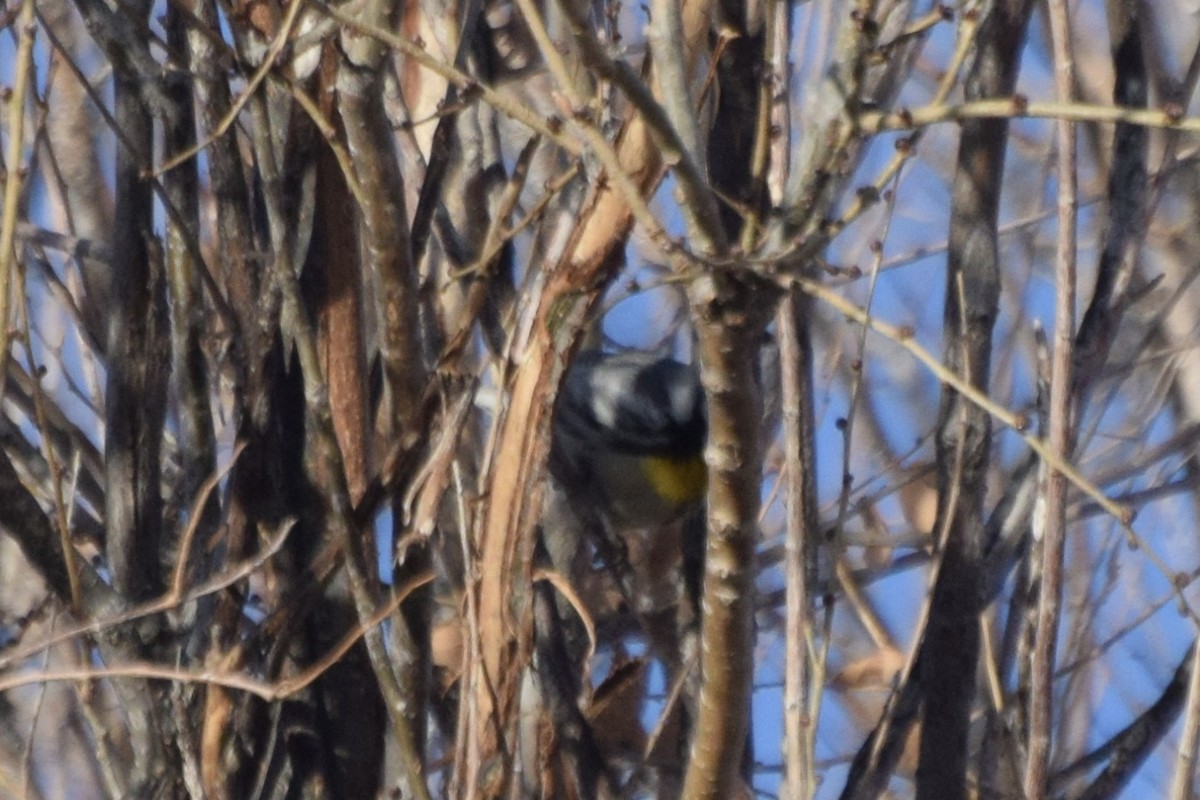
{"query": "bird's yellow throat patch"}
{"type": "Point", "coordinates": [678, 481]}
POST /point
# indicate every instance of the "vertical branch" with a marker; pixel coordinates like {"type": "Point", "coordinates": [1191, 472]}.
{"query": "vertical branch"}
{"type": "Point", "coordinates": [253, 497]}
{"type": "Point", "coordinates": [332, 283]}
{"type": "Point", "coordinates": [135, 397]}
{"type": "Point", "coordinates": [799, 443]}
{"type": "Point", "coordinates": [799, 431]}
{"type": "Point", "coordinates": [75, 156]}
{"type": "Point", "coordinates": [337, 270]}
{"type": "Point", "coordinates": [950, 651]}
{"type": "Point", "coordinates": [771, 159]}
{"type": "Point", "coordinates": [1126, 199]}
{"type": "Point", "coordinates": [357, 561]}
{"type": "Point", "coordinates": [187, 317]}
{"type": "Point", "coordinates": [729, 315]}
{"type": "Point", "coordinates": [441, 154]}
{"type": "Point", "coordinates": [14, 172]}
{"type": "Point", "coordinates": [387, 259]}
{"type": "Point", "coordinates": [778, 91]}
{"type": "Point", "coordinates": [1097, 330]}
{"type": "Point", "coordinates": [54, 469]}
{"type": "Point", "coordinates": [340, 319]}
{"type": "Point", "coordinates": [736, 135]}
{"type": "Point", "coordinates": [1060, 422]}
{"type": "Point", "coordinates": [505, 536]}
{"type": "Point", "coordinates": [241, 271]}
{"type": "Point", "coordinates": [729, 318]}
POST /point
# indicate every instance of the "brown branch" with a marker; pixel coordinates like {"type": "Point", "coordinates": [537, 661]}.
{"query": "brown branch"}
{"type": "Point", "coordinates": [950, 651]}
{"type": "Point", "coordinates": [278, 690]}
{"type": "Point", "coordinates": [729, 317]}
{"type": "Point", "coordinates": [586, 770]}
{"type": "Point", "coordinates": [803, 540]}
{"type": "Point", "coordinates": [389, 264]}
{"type": "Point", "coordinates": [1060, 423]}
{"type": "Point", "coordinates": [1126, 226]}
{"type": "Point", "coordinates": [340, 517]}
{"type": "Point", "coordinates": [14, 178]}
{"type": "Point", "coordinates": [675, 52]}
{"type": "Point", "coordinates": [1011, 107]}
{"type": "Point", "coordinates": [187, 315]}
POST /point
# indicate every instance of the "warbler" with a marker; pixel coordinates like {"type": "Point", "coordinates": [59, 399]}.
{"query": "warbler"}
{"type": "Point", "coordinates": [628, 436]}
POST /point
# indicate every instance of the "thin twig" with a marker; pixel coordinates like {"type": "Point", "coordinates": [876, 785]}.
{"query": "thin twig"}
{"type": "Point", "coordinates": [1018, 422]}
{"type": "Point", "coordinates": [165, 603]}
{"type": "Point", "coordinates": [1019, 107]}
{"type": "Point", "coordinates": [270, 692]}
{"type": "Point", "coordinates": [194, 518]}
{"type": "Point", "coordinates": [1061, 425]}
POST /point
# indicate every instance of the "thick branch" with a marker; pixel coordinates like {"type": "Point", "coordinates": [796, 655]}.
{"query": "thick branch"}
{"type": "Point", "coordinates": [951, 648]}
{"type": "Point", "coordinates": [729, 318]}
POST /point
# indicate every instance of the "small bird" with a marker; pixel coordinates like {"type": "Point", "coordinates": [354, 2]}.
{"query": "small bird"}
{"type": "Point", "coordinates": [628, 437]}
{"type": "Point", "coordinates": [627, 454]}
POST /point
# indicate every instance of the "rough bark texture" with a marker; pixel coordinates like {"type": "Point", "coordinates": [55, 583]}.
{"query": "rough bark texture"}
{"type": "Point", "coordinates": [294, 287]}
{"type": "Point", "coordinates": [950, 652]}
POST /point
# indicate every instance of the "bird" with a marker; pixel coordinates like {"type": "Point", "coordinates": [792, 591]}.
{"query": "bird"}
{"type": "Point", "coordinates": [628, 434]}
{"type": "Point", "coordinates": [627, 438]}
